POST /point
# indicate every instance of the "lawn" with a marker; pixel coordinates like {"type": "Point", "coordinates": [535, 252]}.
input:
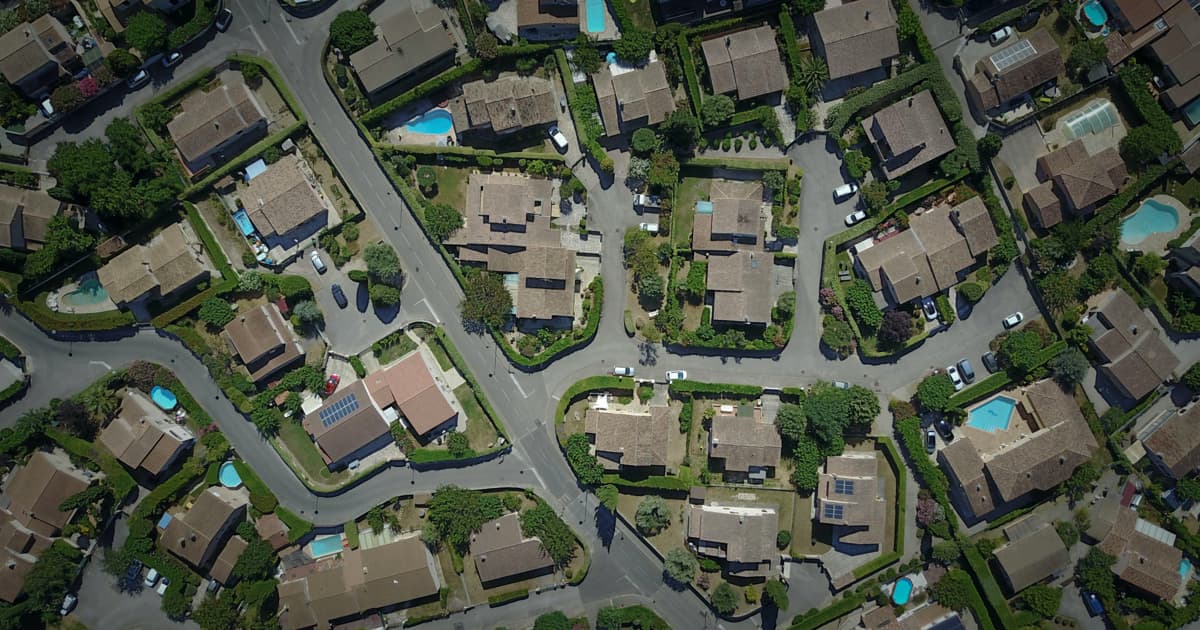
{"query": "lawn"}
{"type": "Point", "coordinates": [304, 455]}
{"type": "Point", "coordinates": [640, 14]}
{"type": "Point", "coordinates": [401, 348]}
{"type": "Point", "coordinates": [671, 537]}
{"type": "Point", "coordinates": [480, 432]}
{"type": "Point", "coordinates": [809, 538]}
{"type": "Point", "coordinates": [689, 191]}
{"type": "Point", "coordinates": [451, 187]}
{"type": "Point", "coordinates": [439, 353]}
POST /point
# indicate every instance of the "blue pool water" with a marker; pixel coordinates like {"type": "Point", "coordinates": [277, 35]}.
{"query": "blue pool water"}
{"type": "Point", "coordinates": [163, 398]}
{"type": "Point", "coordinates": [901, 591]}
{"type": "Point", "coordinates": [1185, 567]}
{"type": "Point", "coordinates": [704, 207]}
{"type": "Point", "coordinates": [243, 222]}
{"type": "Point", "coordinates": [1151, 218]}
{"type": "Point", "coordinates": [992, 415]}
{"type": "Point", "coordinates": [611, 58]}
{"type": "Point", "coordinates": [1191, 111]}
{"type": "Point", "coordinates": [435, 122]}
{"type": "Point", "coordinates": [595, 15]}
{"type": "Point", "coordinates": [229, 476]}
{"type": "Point", "coordinates": [90, 291]}
{"type": "Point", "coordinates": [1095, 13]}
{"type": "Point", "coordinates": [326, 546]}
{"type": "Point", "coordinates": [164, 521]}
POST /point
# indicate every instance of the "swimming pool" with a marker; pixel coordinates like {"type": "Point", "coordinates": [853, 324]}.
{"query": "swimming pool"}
{"type": "Point", "coordinates": [163, 398]}
{"type": "Point", "coordinates": [595, 16]}
{"type": "Point", "coordinates": [1153, 217]}
{"type": "Point", "coordinates": [993, 415]}
{"type": "Point", "coordinates": [1095, 13]}
{"type": "Point", "coordinates": [326, 546]}
{"type": "Point", "coordinates": [902, 591]}
{"type": "Point", "coordinates": [229, 476]}
{"type": "Point", "coordinates": [436, 122]}
{"type": "Point", "coordinates": [243, 222]}
{"type": "Point", "coordinates": [611, 58]}
{"type": "Point", "coordinates": [90, 292]}
{"type": "Point", "coordinates": [1185, 567]}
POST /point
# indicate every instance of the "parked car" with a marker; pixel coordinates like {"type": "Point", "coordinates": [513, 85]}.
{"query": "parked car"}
{"type": "Point", "coordinates": [1014, 319]}
{"type": "Point", "coordinates": [945, 430]}
{"type": "Point", "coordinates": [68, 604]}
{"type": "Point", "coordinates": [964, 368]}
{"type": "Point", "coordinates": [677, 375]}
{"type": "Point", "coordinates": [562, 102]}
{"type": "Point", "coordinates": [955, 377]}
{"type": "Point", "coordinates": [162, 586]}
{"type": "Point", "coordinates": [930, 309]}
{"type": "Point", "coordinates": [1093, 604]}
{"type": "Point", "coordinates": [151, 579]}
{"type": "Point", "coordinates": [855, 217]}
{"type": "Point", "coordinates": [138, 80]}
{"type": "Point", "coordinates": [622, 371]}
{"type": "Point", "coordinates": [331, 384]}
{"type": "Point", "coordinates": [841, 384]}
{"type": "Point", "coordinates": [930, 441]}
{"type": "Point", "coordinates": [989, 362]}
{"type": "Point", "coordinates": [649, 227]}
{"type": "Point", "coordinates": [133, 572]}
{"type": "Point", "coordinates": [172, 59]}
{"type": "Point", "coordinates": [642, 200]}
{"type": "Point", "coordinates": [339, 296]}
{"type": "Point", "coordinates": [47, 108]}
{"type": "Point", "coordinates": [1000, 35]}
{"type": "Point", "coordinates": [318, 264]}
{"type": "Point", "coordinates": [223, 20]}
{"type": "Point", "coordinates": [844, 191]}
{"type": "Point", "coordinates": [557, 137]}
{"type": "Point", "coordinates": [213, 585]}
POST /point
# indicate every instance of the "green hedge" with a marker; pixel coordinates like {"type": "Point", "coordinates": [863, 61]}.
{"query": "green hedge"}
{"type": "Point", "coordinates": [297, 527]}
{"type": "Point", "coordinates": [576, 338]}
{"type": "Point", "coordinates": [587, 143]}
{"type": "Point", "coordinates": [840, 116]}
{"type": "Point", "coordinates": [431, 455]}
{"type": "Point", "coordinates": [991, 589]}
{"type": "Point", "coordinates": [19, 176]}
{"type": "Point", "coordinates": [743, 164]}
{"type": "Point", "coordinates": [689, 72]}
{"type": "Point", "coordinates": [791, 43]}
{"type": "Point", "coordinates": [12, 391]}
{"type": "Point", "coordinates": [655, 482]}
{"type": "Point", "coordinates": [41, 315]}
{"type": "Point", "coordinates": [434, 154]}
{"type": "Point", "coordinates": [215, 253]}
{"type": "Point", "coordinates": [927, 472]}
{"type": "Point", "coordinates": [1009, 16]}
{"type": "Point", "coordinates": [417, 620]}
{"type": "Point", "coordinates": [121, 481]}
{"type": "Point", "coordinates": [715, 390]}
{"type": "Point", "coordinates": [814, 619]}
{"type": "Point", "coordinates": [187, 306]}
{"type": "Point", "coordinates": [510, 596]}
{"type": "Point", "coordinates": [590, 384]}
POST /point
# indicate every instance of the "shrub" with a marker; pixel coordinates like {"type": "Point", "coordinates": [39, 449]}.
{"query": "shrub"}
{"type": "Point", "coordinates": [934, 392]}
{"type": "Point", "coordinates": [972, 292]}
{"type": "Point", "coordinates": [857, 164]}
{"type": "Point", "coordinates": [351, 31]}
{"type": "Point", "coordinates": [644, 141]}
{"type": "Point", "coordinates": [862, 303]}
{"type": "Point", "coordinates": [783, 539]}
{"type": "Point", "coordinates": [216, 312]}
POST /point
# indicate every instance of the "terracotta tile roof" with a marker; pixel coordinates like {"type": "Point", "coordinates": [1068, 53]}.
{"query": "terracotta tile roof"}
{"type": "Point", "coordinates": [35, 491]}
{"type": "Point", "coordinates": [908, 134]}
{"type": "Point", "coordinates": [142, 436]}
{"type": "Point", "coordinates": [272, 530]}
{"type": "Point", "coordinates": [747, 61]}
{"type": "Point", "coordinates": [1176, 443]}
{"type": "Point", "coordinates": [630, 96]}
{"type": "Point", "coordinates": [1033, 558]}
{"type": "Point", "coordinates": [741, 287]}
{"type": "Point", "coordinates": [209, 119]}
{"type": "Point", "coordinates": [1084, 179]}
{"type": "Point", "coordinates": [1135, 357]}
{"type": "Point", "coordinates": [171, 260]}
{"type": "Point", "coordinates": [742, 536]}
{"type": "Point", "coordinates": [1144, 559]}
{"type": "Point", "coordinates": [504, 105]}
{"type": "Point", "coordinates": [945, 246]}
{"type": "Point", "coordinates": [849, 485]}
{"type": "Point", "coordinates": [264, 341]}
{"type": "Point", "coordinates": [195, 535]}
{"type": "Point", "coordinates": [407, 41]}
{"type": "Point", "coordinates": [967, 468]}
{"type": "Point", "coordinates": [341, 434]}
{"type": "Point", "coordinates": [282, 198]}
{"type": "Point", "coordinates": [409, 385]}
{"type": "Point", "coordinates": [222, 569]}
{"type": "Point", "coordinates": [992, 86]}
{"type": "Point", "coordinates": [630, 439]}
{"type": "Point", "coordinates": [508, 210]}
{"type": "Point", "coordinates": [857, 36]}
{"type": "Point", "coordinates": [744, 443]}
{"type": "Point", "coordinates": [502, 552]}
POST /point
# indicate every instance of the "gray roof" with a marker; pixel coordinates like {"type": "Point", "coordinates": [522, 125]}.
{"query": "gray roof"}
{"type": "Point", "coordinates": [909, 134]}
{"type": "Point", "coordinates": [857, 36]}
{"type": "Point", "coordinates": [1033, 558]}
{"type": "Point", "coordinates": [406, 41]}
{"type": "Point", "coordinates": [746, 61]}
{"type": "Point", "coordinates": [209, 119]}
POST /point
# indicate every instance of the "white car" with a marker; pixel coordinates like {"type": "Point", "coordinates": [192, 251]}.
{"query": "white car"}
{"type": "Point", "coordinates": [677, 375]}
{"type": "Point", "coordinates": [641, 200]}
{"type": "Point", "coordinates": [855, 217]}
{"type": "Point", "coordinates": [955, 377]}
{"type": "Point", "coordinates": [1014, 319]}
{"type": "Point", "coordinates": [557, 137]}
{"type": "Point", "coordinates": [172, 59]}
{"type": "Point", "coordinates": [317, 263]}
{"type": "Point", "coordinates": [151, 578]}
{"type": "Point", "coordinates": [844, 191]}
{"type": "Point", "coordinates": [68, 604]}
{"type": "Point", "coordinates": [998, 36]}
{"type": "Point", "coordinates": [649, 227]}
{"type": "Point", "coordinates": [162, 586]}
{"type": "Point", "coordinates": [622, 371]}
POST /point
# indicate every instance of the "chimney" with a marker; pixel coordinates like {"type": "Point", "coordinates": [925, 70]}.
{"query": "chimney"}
{"type": "Point", "coordinates": [910, 101]}
{"type": "Point", "coordinates": [182, 542]}
{"type": "Point", "coordinates": [727, 42]}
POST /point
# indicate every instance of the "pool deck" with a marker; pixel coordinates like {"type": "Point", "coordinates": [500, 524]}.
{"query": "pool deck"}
{"type": "Point", "coordinates": [1094, 142]}
{"type": "Point", "coordinates": [397, 133]}
{"type": "Point", "coordinates": [58, 301]}
{"type": "Point", "coordinates": [610, 31]}
{"type": "Point", "coordinates": [988, 443]}
{"type": "Point", "coordinates": [1157, 243]}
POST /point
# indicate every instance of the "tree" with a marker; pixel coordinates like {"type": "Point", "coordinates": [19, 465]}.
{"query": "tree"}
{"type": "Point", "coordinates": [442, 221]}
{"type": "Point", "coordinates": [1150, 266]}
{"type": "Point", "coordinates": [382, 263]}
{"type": "Point", "coordinates": [651, 288]}
{"type": "Point", "coordinates": [814, 72]}
{"type": "Point", "coordinates": [100, 402]}
{"type": "Point", "coordinates": [1067, 532]}
{"type": "Point", "coordinates": [147, 32]}
{"type": "Point", "coordinates": [724, 598]}
{"type": "Point", "coordinates": [216, 613]}
{"type": "Point", "coordinates": [1143, 144]}
{"type": "Point", "coordinates": [257, 561]}
{"type": "Point", "coordinates": [946, 552]}
{"type": "Point", "coordinates": [487, 47]}
{"type": "Point", "coordinates": [953, 590]}
{"type": "Point", "coordinates": [1188, 489]}
{"type": "Point", "coordinates": [215, 312]}
{"type": "Point", "coordinates": [582, 461]}
{"type": "Point", "coordinates": [972, 292]}
{"type": "Point", "coordinates": [1095, 575]}
{"type": "Point", "coordinates": [989, 145]}
{"type": "Point", "coordinates": [644, 141]}
{"type": "Point", "coordinates": [1069, 367]}
{"type": "Point", "coordinates": [716, 110]}
{"type": "Point", "coordinates": [456, 513]}
{"type": "Point", "coordinates": [609, 618]}
{"type": "Point", "coordinates": [557, 539]}
{"type": "Point", "coordinates": [783, 538]}
{"type": "Point", "coordinates": [1042, 599]}
{"type": "Point", "coordinates": [127, 144]}
{"type": "Point", "coordinates": [634, 46]}
{"type": "Point", "coordinates": [775, 594]}
{"type": "Point", "coordinates": [383, 295]}
{"type": "Point", "coordinates": [664, 172]}
{"type": "Point", "coordinates": [1085, 55]}
{"type": "Point", "coordinates": [1080, 482]}
{"type": "Point", "coordinates": [934, 392]}
{"type": "Point", "coordinates": [1020, 350]}
{"type": "Point", "coordinates": [897, 327]}
{"type": "Point", "coordinates": [81, 168]}
{"type": "Point", "coordinates": [587, 57]}
{"type": "Point", "coordinates": [266, 420]}
{"type": "Point", "coordinates": [680, 565]}
{"type": "Point", "coordinates": [48, 579]}
{"type": "Point", "coordinates": [487, 300]}
{"type": "Point", "coordinates": [862, 406]}
{"type": "Point", "coordinates": [807, 7]}
{"type": "Point", "coordinates": [791, 422]}
{"type": "Point", "coordinates": [1191, 378]}
{"type": "Point", "coordinates": [457, 444]}
{"type": "Point", "coordinates": [351, 31]}
{"type": "Point", "coordinates": [681, 129]}
{"type": "Point", "coordinates": [307, 311]}
{"type": "Point", "coordinates": [806, 465]}
{"type": "Point", "coordinates": [874, 195]}
{"type": "Point", "coordinates": [74, 417]}
{"type": "Point", "coordinates": [858, 165]}
{"type": "Point", "coordinates": [66, 97]}
{"type": "Point", "coordinates": [608, 495]}
{"type": "Point", "coordinates": [652, 515]}
{"type": "Point", "coordinates": [122, 63]}
{"type": "Point", "coordinates": [554, 620]}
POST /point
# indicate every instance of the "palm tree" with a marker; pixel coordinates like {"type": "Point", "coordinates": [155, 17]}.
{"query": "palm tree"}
{"type": "Point", "coordinates": [813, 75]}
{"type": "Point", "coordinates": [100, 402]}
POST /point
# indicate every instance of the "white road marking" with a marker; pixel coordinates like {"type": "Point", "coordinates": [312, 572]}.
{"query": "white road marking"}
{"type": "Point", "coordinates": [431, 311]}
{"type": "Point", "coordinates": [290, 31]}
{"type": "Point", "coordinates": [261, 44]}
{"type": "Point", "coordinates": [514, 380]}
{"type": "Point", "coordinates": [106, 366]}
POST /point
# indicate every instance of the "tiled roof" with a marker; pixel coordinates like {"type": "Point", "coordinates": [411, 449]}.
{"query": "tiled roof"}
{"type": "Point", "coordinates": [908, 134]}
{"type": "Point", "coordinates": [857, 36]}
{"type": "Point", "coordinates": [633, 95]}
{"type": "Point", "coordinates": [741, 287]}
{"type": "Point", "coordinates": [501, 551]}
{"type": "Point", "coordinates": [736, 212]}
{"type": "Point", "coordinates": [746, 61]}
{"type": "Point", "coordinates": [282, 198]}
{"type": "Point", "coordinates": [35, 491]}
{"type": "Point", "coordinates": [141, 435]}
{"type": "Point", "coordinates": [744, 443]}
{"type": "Point", "coordinates": [1129, 342]}
{"type": "Point", "coordinates": [992, 86]}
{"type": "Point", "coordinates": [263, 340]}
{"type": "Point", "coordinates": [631, 439]}
{"type": "Point", "coordinates": [193, 535]}
{"type": "Point", "coordinates": [342, 436]}
{"type": "Point", "coordinates": [850, 484]}
{"type": "Point", "coordinates": [211, 118]}
{"type": "Point", "coordinates": [1177, 442]}
{"type": "Point", "coordinates": [742, 536]}
{"type": "Point", "coordinates": [1033, 558]}
{"type": "Point", "coordinates": [506, 104]}
{"type": "Point", "coordinates": [407, 40]}
{"type": "Point", "coordinates": [410, 386]}
{"type": "Point", "coordinates": [169, 261]}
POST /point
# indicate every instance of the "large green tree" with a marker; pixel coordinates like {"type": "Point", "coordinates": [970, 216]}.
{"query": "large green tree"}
{"type": "Point", "coordinates": [934, 392]}
{"type": "Point", "coordinates": [487, 300]}
{"type": "Point", "coordinates": [652, 515]}
{"type": "Point", "coordinates": [351, 31]}
{"type": "Point", "coordinates": [456, 513]}
{"type": "Point", "coordinates": [634, 46]}
{"type": "Point", "coordinates": [724, 598]}
{"type": "Point", "coordinates": [147, 32]}
{"type": "Point", "coordinates": [1020, 350]}
{"type": "Point", "coordinates": [791, 422]}
{"type": "Point", "coordinates": [716, 110]}
{"type": "Point", "coordinates": [442, 221]}
{"type": "Point", "coordinates": [382, 263]}
{"type": "Point", "coordinates": [680, 565]}
{"type": "Point", "coordinates": [557, 539]}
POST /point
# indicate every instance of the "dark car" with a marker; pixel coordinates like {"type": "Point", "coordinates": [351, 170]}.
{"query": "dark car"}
{"type": "Point", "coordinates": [945, 430]}
{"type": "Point", "coordinates": [1093, 604]}
{"type": "Point", "coordinates": [964, 368]}
{"type": "Point", "coordinates": [989, 362]}
{"type": "Point", "coordinates": [339, 296]}
{"type": "Point", "coordinates": [133, 574]}
{"type": "Point", "coordinates": [223, 20]}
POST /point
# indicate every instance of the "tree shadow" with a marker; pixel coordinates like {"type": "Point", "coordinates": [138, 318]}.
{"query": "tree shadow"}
{"type": "Point", "coordinates": [770, 616]}
{"type": "Point", "coordinates": [362, 298]}
{"type": "Point", "coordinates": [606, 526]}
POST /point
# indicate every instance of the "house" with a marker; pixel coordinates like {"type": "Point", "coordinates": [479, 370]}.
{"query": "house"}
{"type": "Point", "coordinates": [197, 535]}
{"type": "Point", "coordinates": [688, 11]}
{"type": "Point", "coordinates": [214, 126]}
{"type": "Point", "coordinates": [1174, 446]}
{"type": "Point", "coordinates": [20, 551]}
{"type": "Point", "coordinates": [731, 219]}
{"type": "Point", "coordinates": [1136, 23]}
{"type": "Point", "coordinates": [856, 38]}
{"type": "Point", "coordinates": [625, 440]}
{"type": "Point", "coordinates": [1147, 559]}
{"type": "Point", "coordinates": [1177, 51]}
{"type": "Point", "coordinates": [503, 106]}
{"type": "Point", "coordinates": [742, 537]}
{"type": "Point", "coordinates": [850, 499]}
{"type": "Point", "coordinates": [117, 12]}
{"type": "Point", "coordinates": [25, 217]}
{"type": "Point", "coordinates": [908, 134]}
{"type": "Point", "coordinates": [1032, 558]}
{"type": "Point", "coordinates": [171, 263]}
{"type": "Point", "coordinates": [273, 530]}
{"type": "Point", "coordinates": [347, 426]}
{"type": "Point", "coordinates": [937, 251]}
{"type": "Point", "coordinates": [222, 568]}
{"type": "Point", "coordinates": [284, 202]}
{"type": "Point", "coordinates": [740, 286]}
{"type": "Point", "coordinates": [1047, 439]}
{"type": "Point", "coordinates": [35, 56]}
{"type": "Point", "coordinates": [381, 578]}
{"type": "Point", "coordinates": [409, 46]}
{"type": "Point", "coordinates": [503, 554]}
{"type": "Point", "coordinates": [1014, 71]}
{"type": "Point", "coordinates": [410, 387]}
{"type": "Point", "coordinates": [744, 447]}
{"type": "Point", "coordinates": [264, 341]}
{"type": "Point", "coordinates": [630, 98]}
{"type": "Point", "coordinates": [746, 62]}
{"type": "Point", "coordinates": [36, 490]}
{"type": "Point", "coordinates": [1074, 182]}
{"type": "Point", "coordinates": [1135, 358]}
{"type": "Point", "coordinates": [142, 437]}
{"type": "Point", "coordinates": [547, 20]}
{"type": "Point", "coordinates": [1185, 259]}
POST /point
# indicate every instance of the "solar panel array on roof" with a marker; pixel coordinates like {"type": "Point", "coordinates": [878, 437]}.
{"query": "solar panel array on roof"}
{"type": "Point", "coordinates": [843, 486]}
{"type": "Point", "coordinates": [833, 510]}
{"type": "Point", "coordinates": [1013, 55]}
{"type": "Point", "coordinates": [339, 410]}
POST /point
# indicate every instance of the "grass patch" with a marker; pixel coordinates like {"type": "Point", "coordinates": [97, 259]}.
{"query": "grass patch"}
{"type": "Point", "coordinates": [439, 353]}
{"type": "Point", "coordinates": [683, 215]}
{"type": "Point", "coordinates": [451, 186]}
{"type": "Point", "coordinates": [403, 346]}
{"type": "Point", "coordinates": [480, 432]}
{"type": "Point", "coordinates": [305, 454]}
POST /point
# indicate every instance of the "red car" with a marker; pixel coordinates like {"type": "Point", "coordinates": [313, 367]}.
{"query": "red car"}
{"type": "Point", "coordinates": [331, 383]}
